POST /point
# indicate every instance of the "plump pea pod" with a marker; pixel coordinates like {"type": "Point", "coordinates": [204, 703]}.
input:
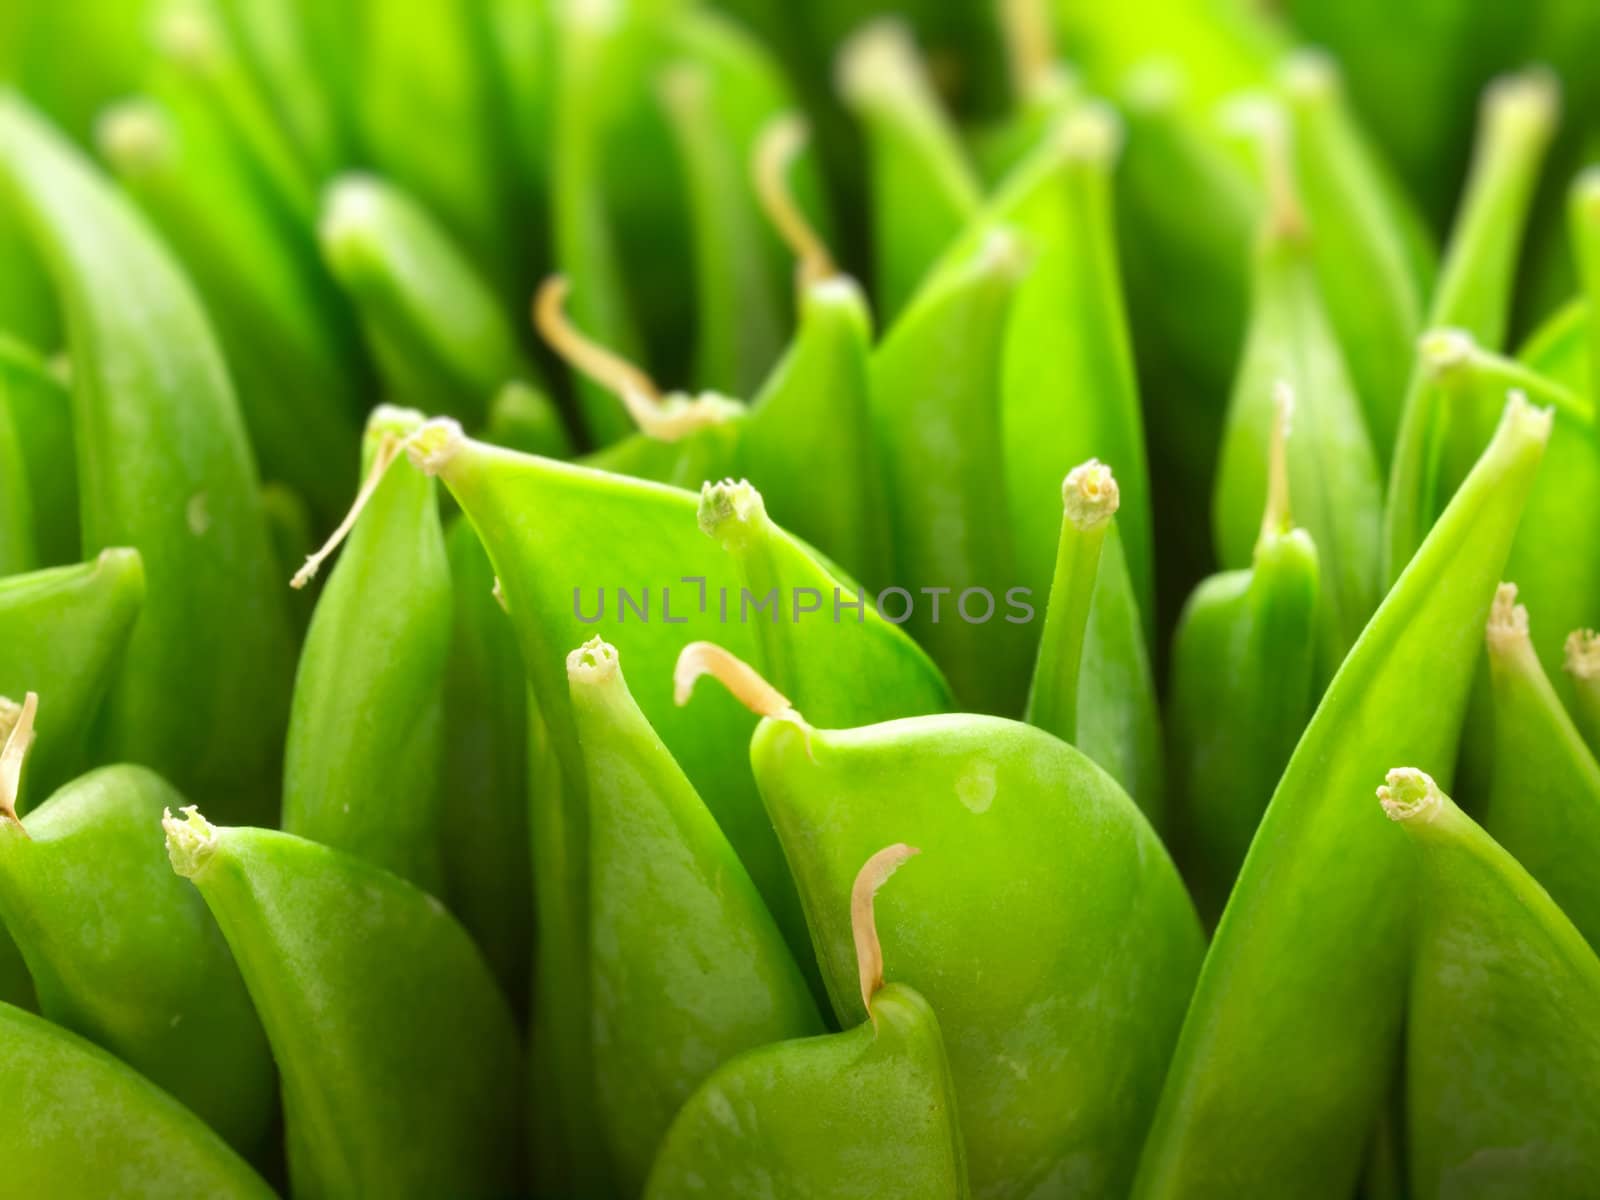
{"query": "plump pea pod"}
{"type": "Point", "coordinates": [1301, 991]}
{"type": "Point", "coordinates": [1543, 803]}
{"type": "Point", "coordinates": [936, 408]}
{"type": "Point", "coordinates": [819, 635]}
{"type": "Point", "coordinates": [80, 1123]}
{"type": "Point", "coordinates": [18, 542]}
{"type": "Point", "coordinates": [1057, 1033]}
{"type": "Point", "coordinates": [284, 328]}
{"type": "Point", "coordinates": [34, 396]}
{"type": "Point", "coordinates": [521, 417]}
{"type": "Point", "coordinates": [1581, 665]}
{"type": "Point", "coordinates": [439, 333]}
{"type": "Point", "coordinates": [163, 466]}
{"type": "Point", "coordinates": [1502, 1041]}
{"type": "Point", "coordinates": [1367, 272]}
{"type": "Point", "coordinates": [871, 1111]}
{"type": "Point", "coordinates": [1241, 690]}
{"type": "Point", "coordinates": [484, 782]}
{"type": "Point", "coordinates": [400, 1060]}
{"type": "Point", "coordinates": [687, 967]}
{"type": "Point", "coordinates": [125, 953]}
{"type": "Point", "coordinates": [923, 188]}
{"type": "Point", "coordinates": [63, 634]}
{"type": "Point", "coordinates": [362, 762]}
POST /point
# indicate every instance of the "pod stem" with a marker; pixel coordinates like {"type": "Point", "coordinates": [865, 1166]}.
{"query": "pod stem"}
{"type": "Point", "coordinates": [1411, 795]}
{"type": "Point", "coordinates": [14, 756]}
{"type": "Point", "coordinates": [389, 449]}
{"type": "Point", "coordinates": [776, 150]}
{"type": "Point", "coordinates": [1582, 665]}
{"type": "Point", "coordinates": [1276, 519]}
{"type": "Point", "coordinates": [593, 662]}
{"type": "Point", "coordinates": [1506, 631]}
{"type": "Point", "coordinates": [191, 840]}
{"type": "Point", "coordinates": [740, 678]}
{"type": "Point", "coordinates": [863, 920]}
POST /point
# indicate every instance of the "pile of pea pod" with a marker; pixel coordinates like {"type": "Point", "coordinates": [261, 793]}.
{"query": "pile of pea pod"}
{"type": "Point", "coordinates": [828, 599]}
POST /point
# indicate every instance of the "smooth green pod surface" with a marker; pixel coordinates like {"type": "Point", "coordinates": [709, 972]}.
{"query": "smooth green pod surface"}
{"type": "Point", "coordinates": [1301, 990]}
{"type": "Point", "coordinates": [83, 1124]}
{"type": "Point", "coordinates": [18, 543]}
{"type": "Point", "coordinates": [361, 767]}
{"type": "Point", "coordinates": [34, 395]}
{"type": "Point", "coordinates": [1581, 666]}
{"type": "Point", "coordinates": [399, 1058]}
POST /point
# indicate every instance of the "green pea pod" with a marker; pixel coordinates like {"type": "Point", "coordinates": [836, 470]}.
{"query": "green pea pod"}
{"type": "Point", "coordinates": [521, 417]}
{"type": "Point", "coordinates": [63, 634]}
{"type": "Point", "coordinates": [34, 395]}
{"type": "Point", "coordinates": [18, 542]}
{"type": "Point", "coordinates": [399, 1057]}
{"type": "Point", "coordinates": [923, 188]}
{"type": "Point", "coordinates": [870, 1112]}
{"type": "Point", "coordinates": [124, 953]}
{"type": "Point", "coordinates": [289, 522]}
{"type": "Point", "coordinates": [437, 330]}
{"type": "Point", "coordinates": [163, 466]}
{"type": "Point", "coordinates": [1583, 206]}
{"type": "Point", "coordinates": [687, 968]}
{"type": "Point", "coordinates": [1241, 690]}
{"type": "Point", "coordinates": [1333, 468]}
{"type": "Point", "coordinates": [1581, 664]}
{"type": "Point", "coordinates": [485, 776]}
{"type": "Point", "coordinates": [1056, 1082]}
{"type": "Point", "coordinates": [1366, 270]}
{"type": "Point", "coordinates": [1502, 1049]}
{"type": "Point", "coordinates": [824, 635]}
{"type": "Point", "coordinates": [283, 326]}
{"type": "Point", "coordinates": [80, 1123]}
{"type": "Point", "coordinates": [1300, 994]}
{"type": "Point", "coordinates": [1543, 803]}
{"type": "Point", "coordinates": [937, 410]}
{"type": "Point", "coordinates": [362, 763]}
{"type": "Point", "coordinates": [1559, 348]}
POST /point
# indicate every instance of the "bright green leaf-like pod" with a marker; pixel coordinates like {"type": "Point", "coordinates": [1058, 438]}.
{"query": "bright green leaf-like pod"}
{"type": "Point", "coordinates": [284, 329]}
{"type": "Point", "coordinates": [937, 411]}
{"type": "Point", "coordinates": [686, 966]}
{"type": "Point", "coordinates": [1058, 1028]}
{"type": "Point", "coordinates": [1582, 667]}
{"type": "Point", "coordinates": [163, 466]}
{"type": "Point", "coordinates": [871, 1111]}
{"type": "Point", "coordinates": [124, 953]}
{"type": "Point", "coordinates": [83, 1124]}
{"type": "Point", "coordinates": [63, 634]}
{"type": "Point", "coordinates": [1502, 1042]}
{"type": "Point", "coordinates": [1301, 993]}
{"type": "Point", "coordinates": [1543, 803]}
{"type": "Point", "coordinates": [361, 767]}
{"type": "Point", "coordinates": [1241, 689]}
{"type": "Point", "coordinates": [923, 189]}
{"type": "Point", "coordinates": [34, 396]}
{"type": "Point", "coordinates": [1364, 242]}
{"type": "Point", "coordinates": [484, 781]}
{"type": "Point", "coordinates": [400, 1060]}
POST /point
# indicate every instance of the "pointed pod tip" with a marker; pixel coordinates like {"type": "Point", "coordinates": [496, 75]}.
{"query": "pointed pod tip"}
{"type": "Point", "coordinates": [1507, 626]}
{"type": "Point", "coordinates": [728, 508]}
{"type": "Point", "coordinates": [1581, 659]}
{"type": "Point", "coordinates": [1525, 420]}
{"type": "Point", "coordinates": [1444, 350]}
{"type": "Point", "coordinates": [191, 840]}
{"type": "Point", "coordinates": [434, 443]}
{"type": "Point", "coordinates": [1089, 495]}
{"type": "Point", "coordinates": [593, 662]}
{"type": "Point", "coordinates": [1091, 133]}
{"type": "Point", "coordinates": [1409, 794]}
{"type": "Point", "coordinates": [1523, 107]}
{"type": "Point", "coordinates": [878, 61]}
{"type": "Point", "coordinates": [350, 207]}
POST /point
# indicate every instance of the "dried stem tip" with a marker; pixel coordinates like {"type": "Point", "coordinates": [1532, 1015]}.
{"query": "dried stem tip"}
{"type": "Point", "coordinates": [1276, 519]}
{"type": "Point", "coordinates": [1408, 794]}
{"type": "Point", "coordinates": [739, 677]}
{"type": "Point", "coordinates": [191, 840]}
{"type": "Point", "coordinates": [608, 369]}
{"type": "Point", "coordinates": [388, 450]}
{"type": "Point", "coordinates": [1582, 654]}
{"type": "Point", "coordinates": [1089, 495]}
{"type": "Point", "coordinates": [14, 754]}
{"type": "Point", "coordinates": [593, 662]}
{"type": "Point", "coordinates": [777, 148]}
{"type": "Point", "coordinates": [863, 922]}
{"type": "Point", "coordinates": [1508, 621]}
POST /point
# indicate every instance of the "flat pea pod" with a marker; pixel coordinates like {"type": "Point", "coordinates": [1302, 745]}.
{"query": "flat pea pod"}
{"type": "Point", "coordinates": [871, 1111]}
{"type": "Point", "coordinates": [362, 762]}
{"type": "Point", "coordinates": [1502, 1043]}
{"type": "Point", "coordinates": [18, 543]}
{"type": "Point", "coordinates": [34, 395]}
{"type": "Point", "coordinates": [124, 953]}
{"type": "Point", "coordinates": [399, 1058]}
{"type": "Point", "coordinates": [163, 466]}
{"type": "Point", "coordinates": [1581, 665]}
{"type": "Point", "coordinates": [923, 188]}
{"type": "Point", "coordinates": [686, 966]}
{"type": "Point", "coordinates": [1058, 1033]}
{"type": "Point", "coordinates": [1301, 990]}
{"type": "Point", "coordinates": [63, 634]}
{"type": "Point", "coordinates": [139, 1141]}
{"type": "Point", "coordinates": [1543, 801]}
{"type": "Point", "coordinates": [937, 413]}
{"type": "Point", "coordinates": [484, 780]}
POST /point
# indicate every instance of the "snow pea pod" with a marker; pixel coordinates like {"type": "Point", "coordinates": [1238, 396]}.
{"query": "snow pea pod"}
{"type": "Point", "coordinates": [1502, 1044]}
{"type": "Point", "coordinates": [63, 634]}
{"type": "Point", "coordinates": [80, 1123]}
{"type": "Point", "coordinates": [686, 966]}
{"type": "Point", "coordinates": [124, 953]}
{"type": "Point", "coordinates": [362, 762]}
{"type": "Point", "coordinates": [923, 188]}
{"type": "Point", "coordinates": [1300, 993]}
{"type": "Point", "coordinates": [871, 1111]}
{"type": "Point", "coordinates": [936, 408]}
{"type": "Point", "coordinates": [163, 466]}
{"type": "Point", "coordinates": [1241, 689]}
{"type": "Point", "coordinates": [1543, 802]}
{"type": "Point", "coordinates": [1058, 1033]}
{"type": "Point", "coordinates": [34, 395]}
{"type": "Point", "coordinates": [1581, 664]}
{"type": "Point", "coordinates": [399, 1058]}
